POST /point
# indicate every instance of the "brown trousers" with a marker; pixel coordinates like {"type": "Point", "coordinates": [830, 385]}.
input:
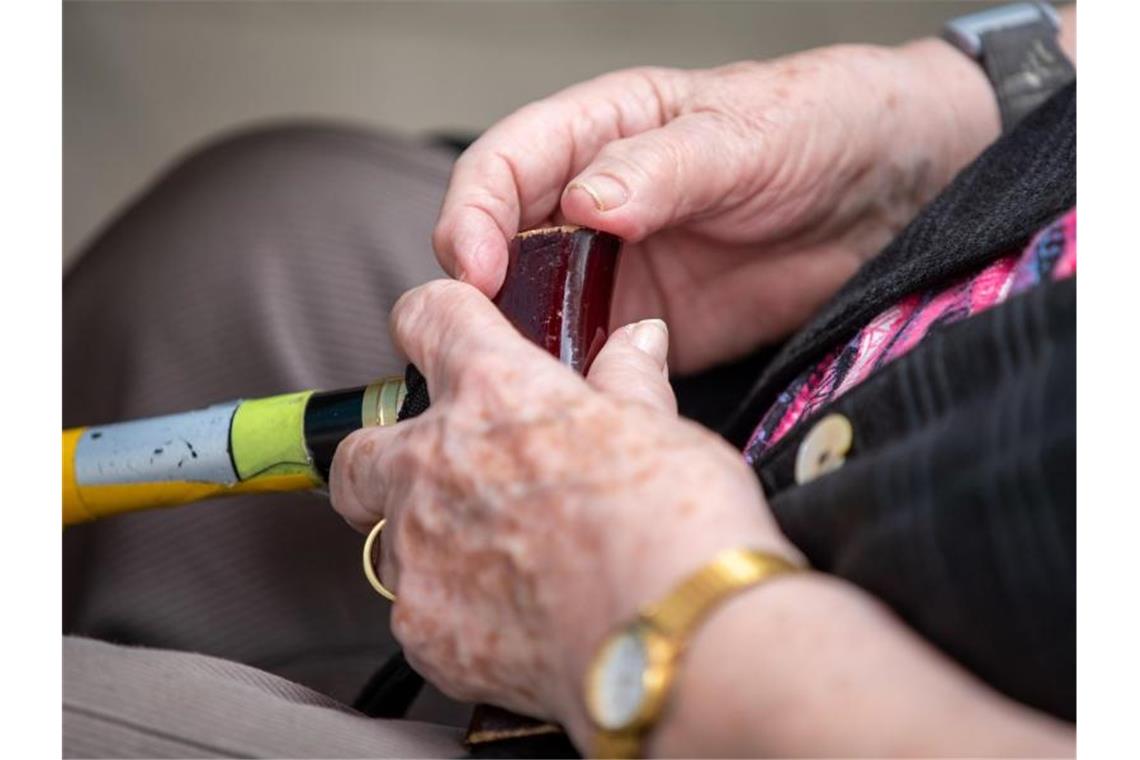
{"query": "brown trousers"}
{"type": "Point", "coordinates": [264, 263]}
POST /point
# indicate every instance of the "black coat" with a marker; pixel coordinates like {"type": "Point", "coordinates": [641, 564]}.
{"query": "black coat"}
{"type": "Point", "coordinates": [957, 503]}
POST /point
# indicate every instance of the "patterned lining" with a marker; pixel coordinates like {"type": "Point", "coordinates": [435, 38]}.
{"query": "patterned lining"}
{"type": "Point", "coordinates": [1052, 253]}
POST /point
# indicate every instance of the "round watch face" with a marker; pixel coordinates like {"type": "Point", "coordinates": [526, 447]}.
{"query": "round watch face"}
{"type": "Point", "coordinates": [620, 685]}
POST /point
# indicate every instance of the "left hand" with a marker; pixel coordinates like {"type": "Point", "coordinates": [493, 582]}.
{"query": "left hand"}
{"type": "Point", "coordinates": [529, 509]}
{"type": "Point", "coordinates": [746, 194]}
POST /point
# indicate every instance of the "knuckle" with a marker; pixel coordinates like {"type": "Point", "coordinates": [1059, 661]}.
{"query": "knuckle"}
{"type": "Point", "coordinates": [662, 89]}
{"type": "Point", "coordinates": [535, 112]}
{"type": "Point", "coordinates": [428, 647]}
{"type": "Point", "coordinates": [390, 566]}
{"type": "Point", "coordinates": [404, 626]}
{"type": "Point", "coordinates": [624, 158]}
{"type": "Point", "coordinates": [345, 476]}
{"type": "Point", "coordinates": [462, 692]}
{"type": "Point", "coordinates": [720, 124]}
{"type": "Point", "coordinates": [665, 152]}
{"type": "Point", "coordinates": [654, 72]}
{"type": "Point", "coordinates": [654, 397]}
{"type": "Point", "coordinates": [737, 69]}
{"type": "Point", "coordinates": [411, 458]}
{"type": "Point", "coordinates": [415, 307]}
{"type": "Point", "coordinates": [339, 479]}
{"type": "Point", "coordinates": [483, 374]}
{"type": "Point", "coordinates": [441, 292]}
{"type": "Point", "coordinates": [473, 154]}
{"type": "Point", "coordinates": [646, 159]}
{"type": "Point", "coordinates": [495, 204]}
{"type": "Point", "coordinates": [344, 501]}
{"type": "Point", "coordinates": [407, 313]}
{"type": "Point", "coordinates": [636, 364]}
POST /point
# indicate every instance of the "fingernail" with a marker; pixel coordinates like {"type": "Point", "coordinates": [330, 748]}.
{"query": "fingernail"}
{"type": "Point", "coordinates": [605, 191]}
{"type": "Point", "coordinates": [652, 337]}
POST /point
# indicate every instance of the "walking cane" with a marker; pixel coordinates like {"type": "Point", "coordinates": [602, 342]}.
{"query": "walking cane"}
{"type": "Point", "coordinates": [556, 292]}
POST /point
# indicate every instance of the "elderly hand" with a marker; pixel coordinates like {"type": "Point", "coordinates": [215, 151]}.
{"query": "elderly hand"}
{"type": "Point", "coordinates": [530, 509]}
{"type": "Point", "coordinates": [747, 194]}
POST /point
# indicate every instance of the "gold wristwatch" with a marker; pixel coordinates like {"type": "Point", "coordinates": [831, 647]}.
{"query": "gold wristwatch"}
{"type": "Point", "coordinates": [628, 682]}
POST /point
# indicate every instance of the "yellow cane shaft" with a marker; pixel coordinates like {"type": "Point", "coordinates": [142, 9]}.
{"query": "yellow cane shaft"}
{"type": "Point", "coordinates": [74, 510]}
{"type": "Point", "coordinates": [282, 443]}
{"type": "Point", "coordinates": [87, 503]}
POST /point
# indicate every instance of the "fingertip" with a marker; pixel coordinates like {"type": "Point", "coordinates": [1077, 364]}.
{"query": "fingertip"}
{"type": "Point", "coordinates": [579, 204]}
{"type": "Point", "coordinates": [485, 267]}
{"type": "Point", "coordinates": [585, 202]}
{"type": "Point", "coordinates": [652, 337]}
{"type": "Point", "coordinates": [632, 365]}
{"type": "Point", "coordinates": [343, 482]}
{"type": "Point", "coordinates": [480, 256]}
{"type": "Point", "coordinates": [361, 475]}
{"type": "Point", "coordinates": [442, 325]}
{"type": "Point", "coordinates": [442, 242]}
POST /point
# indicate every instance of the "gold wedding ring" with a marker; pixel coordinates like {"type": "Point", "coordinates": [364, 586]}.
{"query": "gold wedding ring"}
{"type": "Point", "coordinates": [370, 565]}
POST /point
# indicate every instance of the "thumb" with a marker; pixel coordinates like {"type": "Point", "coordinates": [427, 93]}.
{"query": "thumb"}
{"type": "Point", "coordinates": [631, 366]}
{"type": "Point", "coordinates": [639, 185]}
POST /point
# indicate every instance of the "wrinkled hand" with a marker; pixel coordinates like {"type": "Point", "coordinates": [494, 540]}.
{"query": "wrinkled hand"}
{"type": "Point", "coordinates": [529, 509]}
{"type": "Point", "coordinates": [747, 194]}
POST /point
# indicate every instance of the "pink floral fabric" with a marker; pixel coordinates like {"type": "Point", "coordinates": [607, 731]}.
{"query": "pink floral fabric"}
{"type": "Point", "coordinates": [1051, 254]}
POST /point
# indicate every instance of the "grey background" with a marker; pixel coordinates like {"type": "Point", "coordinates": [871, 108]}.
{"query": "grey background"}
{"type": "Point", "coordinates": [145, 81]}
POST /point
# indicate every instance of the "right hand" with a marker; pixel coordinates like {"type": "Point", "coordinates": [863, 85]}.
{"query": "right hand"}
{"type": "Point", "coordinates": [525, 520]}
{"type": "Point", "coordinates": [746, 194]}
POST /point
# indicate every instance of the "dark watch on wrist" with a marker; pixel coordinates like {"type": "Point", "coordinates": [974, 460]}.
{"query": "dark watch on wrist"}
{"type": "Point", "coordinates": [1017, 46]}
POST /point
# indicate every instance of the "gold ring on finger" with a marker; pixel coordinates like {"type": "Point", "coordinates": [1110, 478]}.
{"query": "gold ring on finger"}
{"type": "Point", "coordinates": [370, 564]}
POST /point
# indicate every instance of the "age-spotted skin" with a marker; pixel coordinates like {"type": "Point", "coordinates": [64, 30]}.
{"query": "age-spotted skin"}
{"type": "Point", "coordinates": [529, 509]}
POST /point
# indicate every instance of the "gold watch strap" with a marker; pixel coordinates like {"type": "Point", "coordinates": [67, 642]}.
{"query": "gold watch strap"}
{"type": "Point", "coordinates": [731, 570]}
{"type": "Point", "coordinates": [677, 615]}
{"type": "Point", "coordinates": [616, 745]}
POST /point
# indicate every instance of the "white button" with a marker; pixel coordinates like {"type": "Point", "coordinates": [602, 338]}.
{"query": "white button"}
{"type": "Point", "coordinates": [824, 448]}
